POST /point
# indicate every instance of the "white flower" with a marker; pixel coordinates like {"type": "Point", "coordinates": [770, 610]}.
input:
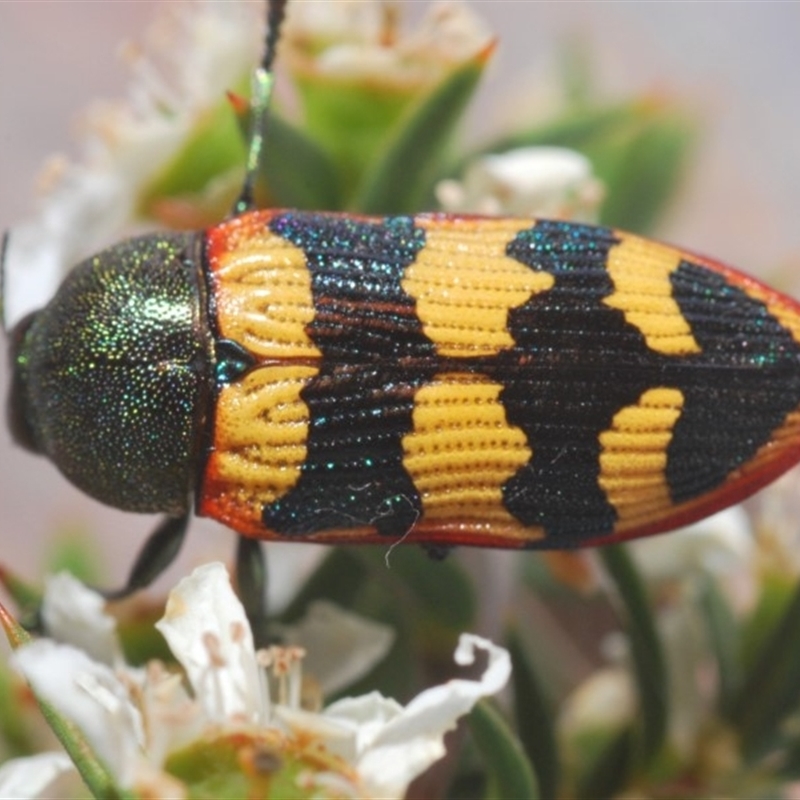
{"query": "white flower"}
{"type": "Point", "coordinates": [359, 40]}
{"type": "Point", "coordinates": [716, 545]}
{"type": "Point", "coordinates": [720, 548]}
{"type": "Point", "coordinates": [775, 513]}
{"type": "Point", "coordinates": [43, 775]}
{"type": "Point", "coordinates": [135, 720]}
{"type": "Point", "coordinates": [340, 646]}
{"type": "Point", "coordinates": [390, 745]}
{"type": "Point", "coordinates": [194, 53]}
{"type": "Point", "coordinates": [530, 182]}
{"type": "Point", "coordinates": [74, 614]}
{"type": "Point", "coordinates": [92, 696]}
{"type": "Point", "coordinates": [605, 701]}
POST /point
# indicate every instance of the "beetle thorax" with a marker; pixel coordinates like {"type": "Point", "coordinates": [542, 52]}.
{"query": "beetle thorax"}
{"type": "Point", "coordinates": [110, 377]}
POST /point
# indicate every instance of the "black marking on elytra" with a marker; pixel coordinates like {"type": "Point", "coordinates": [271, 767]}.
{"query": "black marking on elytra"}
{"type": "Point", "coordinates": [575, 364]}
{"type": "Point", "coordinates": [737, 391]}
{"type": "Point", "coordinates": [374, 358]}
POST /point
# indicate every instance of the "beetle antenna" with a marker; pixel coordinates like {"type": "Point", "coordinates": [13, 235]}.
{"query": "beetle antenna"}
{"type": "Point", "coordinates": [262, 83]}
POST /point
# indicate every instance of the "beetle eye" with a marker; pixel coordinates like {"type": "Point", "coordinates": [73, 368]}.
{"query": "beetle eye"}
{"type": "Point", "coordinates": [21, 429]}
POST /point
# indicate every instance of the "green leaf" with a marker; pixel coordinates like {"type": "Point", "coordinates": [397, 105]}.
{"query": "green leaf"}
{"type": "Point", "coordinates": [723, 634]}
{"type": "Point", "coordinates": [646, 650]}
{"type": "Point", "coordinates": [297, 172]}
{"type": "Point", "coordinates": [14, 732]}
{"type": "Point", "coordinates": [26, 596]}
{"type": "Point", "coordinates": [141, 641]}
{"type": "Point", "coordinates": [440, 590]}
{"type": "Point", "coordinates": [777, 590]}
{"type": "Point", "coordinates": [790, 761]}
{"type": "Point", "coordinates": [642, 170]}
{"type": "Point", "coordinates": [428, 603]}
{"type": "Point", "coordinates": [639, 150]}
{"type": "Point", "coordinates": [609, 773]}
{"type": "Point", "coordinates": [350, 119]}
{"type": "Point", "coordinates": [214, 147]}
{"type": "Point", "coordinates": [576, 130]}
{"type": "Point", "coordinates": [534, 718]}
{"type": "Point", "coordinates": [94, 773]}
{"type": "Point", "coordinates": [510, 775]}
{"type": "Point", "coordinates": [405, 169]}
{"type": "Point", "coordinates": [771, 689]}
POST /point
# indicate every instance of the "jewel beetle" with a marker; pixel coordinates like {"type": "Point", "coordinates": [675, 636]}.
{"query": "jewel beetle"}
{"type": "Point", "coordinates": [439, 379]}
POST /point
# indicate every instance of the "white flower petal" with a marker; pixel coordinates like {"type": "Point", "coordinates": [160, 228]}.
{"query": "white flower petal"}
{"type": "Point", "coordinates": [436, 710]}
{"type": "Point", "coordinates": [716, 545]}
{"type": "Point", "coordinates": [290, 566]}
{"type": "Point", "coordinates": [340, 646]}
{"type": "Point", "coordinates": [208, 632]}
{"type": "Point", "coordinates": [91, 696]}
{"type": "Point", "coordinates": [606, 700]}
{"type": "Point", "coordinates": [348, 20]}
{"type": "Point", "coordinates": [339, 736]}
{"type": "Point", "coordinates": [359, 40]}
{"type": "Point", "coordinates": [413, 739]}
{"type": "Point", "coordinates": [45, 775]}
{"type": "Point", "coordinates": [449, 32]}
{"type": "Point", "coordinates": [364, 717]}
{"type": "Point", "coordinates": [529, 181]}
{"type": "Point", "coordinates": [32, 270]}
{"type": "Point", "coordinates": [74, 614]}
{"type": "Point", "coordinates": [388, 770]}
{"type": "Point", "coordinates": [193, 54]}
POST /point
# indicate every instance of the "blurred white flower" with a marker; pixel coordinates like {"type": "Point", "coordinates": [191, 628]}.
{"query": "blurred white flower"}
{"type": "Point", "coordinates": [722, 543]}
{"type": "Point", "coordinates": [607, 701]}
{"type": "Point", "coordinates": [360, 40]}
{"type": "Point", "coordinates": [43, 775]}
{"type": "Point", "coordinates": [599, 706]}
{"type": "Point", "coordinates": [137, 719]}
{"type": "Point", "coordinates": [529, 182]}
{"type": "Point", "coordinates": [776, 511]}
{"type": "Point", "coordinates": [192, 55]}
{"type": "Point", "coordinates": [719, 548]}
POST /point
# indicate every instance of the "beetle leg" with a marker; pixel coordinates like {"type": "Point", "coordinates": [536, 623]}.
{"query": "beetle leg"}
{"type": "Point", "coordinates": [158, 553]}
{"type": "Point", "coordinates": [251, 578]}
{"type": "Point", "coordinates": [438, 552]}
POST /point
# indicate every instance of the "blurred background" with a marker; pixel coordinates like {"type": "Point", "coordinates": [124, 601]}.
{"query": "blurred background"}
{"type": "Point", "coordinates": [733, 65]}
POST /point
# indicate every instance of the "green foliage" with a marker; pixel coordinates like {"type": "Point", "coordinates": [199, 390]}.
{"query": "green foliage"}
{"type": "Point", "coordinates": [646, 651]}
{"type": "Point", "coordinates": [639, 149]}
{"type": "Point", "coordinates": [724, 641]}
{"type": "Point", "coordinates": [406, 165]}
{"type": "Point", "coordinates": [427, 602]}
{"type": "Point", "coordinates": [213, 149]}
{"type": "Point", "coordinates": [509, 772]}
{"type": "Point", "coordinates": [534, 717]}
{"type": "Point", "coordinates": [771, 689]}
